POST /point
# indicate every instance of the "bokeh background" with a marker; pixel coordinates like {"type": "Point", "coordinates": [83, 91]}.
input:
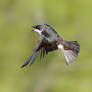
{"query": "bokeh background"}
{"type": "Point", "coordinates": [70, 18]}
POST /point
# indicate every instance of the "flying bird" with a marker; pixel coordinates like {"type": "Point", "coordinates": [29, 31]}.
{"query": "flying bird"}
{"type": "Point", "coordinates": [50, 41]}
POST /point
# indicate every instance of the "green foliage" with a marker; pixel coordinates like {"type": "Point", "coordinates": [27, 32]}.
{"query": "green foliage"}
{"type": "Point", "coordinates": [70, 18]}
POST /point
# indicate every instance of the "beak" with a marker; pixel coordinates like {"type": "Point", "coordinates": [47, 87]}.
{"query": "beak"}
{"type": "Point", "coordinates": [33, 27]}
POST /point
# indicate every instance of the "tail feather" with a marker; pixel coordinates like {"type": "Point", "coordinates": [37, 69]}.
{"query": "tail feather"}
{"type": "Point", "coordinates": [70, 54]}
{"type": "Point", "coordinates": [74, 46]}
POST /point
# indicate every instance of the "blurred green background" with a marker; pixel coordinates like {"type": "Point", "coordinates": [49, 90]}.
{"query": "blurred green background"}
{"type": "Point", "coordinates": [70, 18]}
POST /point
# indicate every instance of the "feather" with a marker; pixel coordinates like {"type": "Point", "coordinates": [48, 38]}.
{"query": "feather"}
{"type": "Point", "coordinates": [69, 55]}
{"type": "Point", "coordinates": [33, 58]}
{"type": "Point", "coordinates": [28, 60]}
{"type": "Point", "coordinates": [40, 54]}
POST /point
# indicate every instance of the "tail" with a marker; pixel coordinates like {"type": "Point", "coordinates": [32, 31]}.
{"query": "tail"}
{"type": "Point", "coordinates": [71, 52]}
{"type": "Point", "coordinates": [75, 47]}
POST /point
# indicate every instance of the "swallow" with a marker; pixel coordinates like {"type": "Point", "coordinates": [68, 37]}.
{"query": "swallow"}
{"type": "Point", "coordinates": [49, 41]}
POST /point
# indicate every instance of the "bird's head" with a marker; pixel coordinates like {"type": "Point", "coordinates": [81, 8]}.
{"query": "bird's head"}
{"type": "Point", "coordinates": [45, 31]}
{"type": "Point", "coordinates": [38, 28]}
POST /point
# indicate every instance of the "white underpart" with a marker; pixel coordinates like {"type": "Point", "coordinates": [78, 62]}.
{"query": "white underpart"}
{"type": "Point", "coordinates": [68, 54]}
{"type": "Point", "coordinates": [38, 31]}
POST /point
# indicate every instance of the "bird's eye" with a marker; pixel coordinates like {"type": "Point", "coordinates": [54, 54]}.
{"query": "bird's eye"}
{"type": "Point", "coordinates": [37, 27]}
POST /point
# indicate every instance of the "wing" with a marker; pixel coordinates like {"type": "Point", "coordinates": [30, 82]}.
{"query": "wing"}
{"type": "Point", "coordinates": [34, 53]}
{"type": "Point", "coordinates": [46, 47]}
{"type": "Point", "coordinates": [43, 47]}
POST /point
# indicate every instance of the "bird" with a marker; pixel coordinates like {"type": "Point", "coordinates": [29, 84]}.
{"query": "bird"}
{"type": "Point", "coordinates": [50, 41]}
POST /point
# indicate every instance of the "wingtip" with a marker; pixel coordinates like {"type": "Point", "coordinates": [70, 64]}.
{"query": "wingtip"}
{"type": "Point", "coordinates": [22, 66]}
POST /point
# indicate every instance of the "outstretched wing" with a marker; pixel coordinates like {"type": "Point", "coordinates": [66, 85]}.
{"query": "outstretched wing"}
{"type": "Point", "coordinates": [43, 47]}
{"type": "Point", "coordinates": [34, 53]}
